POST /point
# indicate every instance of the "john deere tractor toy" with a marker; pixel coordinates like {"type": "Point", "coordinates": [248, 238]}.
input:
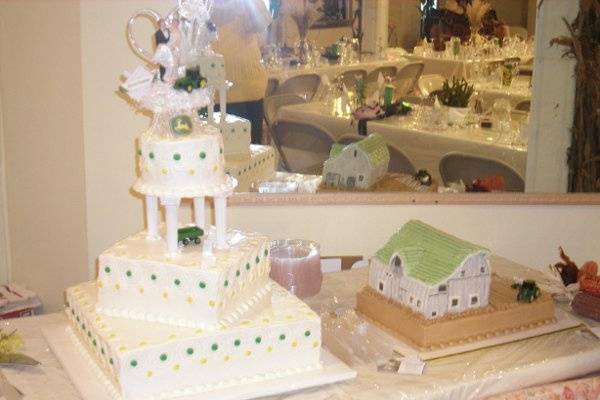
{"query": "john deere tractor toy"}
{"type": "Point", "coordinates": [528, 291]}
{"type": "Point", "coordinates": [189, 234]}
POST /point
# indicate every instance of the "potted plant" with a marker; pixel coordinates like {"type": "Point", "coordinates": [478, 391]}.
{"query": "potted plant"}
{"type": "Point", "coordinates": [456, 95]}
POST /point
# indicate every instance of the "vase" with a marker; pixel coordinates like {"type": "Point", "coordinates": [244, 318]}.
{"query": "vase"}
{"type": "Point", "coordinates": [457, 115]}
{"type": "Point", "coordinates": [304, 51]}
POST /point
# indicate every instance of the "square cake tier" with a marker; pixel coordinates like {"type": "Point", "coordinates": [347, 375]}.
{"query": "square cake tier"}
{"type": "Point", "coordinates": [236, 133]}
{"type": "Point", "coordinates": [198, 287]}
{"type": "Point", "coordinates": [141, 359]}
{"type": "Point", "coordinates": [250, 168]}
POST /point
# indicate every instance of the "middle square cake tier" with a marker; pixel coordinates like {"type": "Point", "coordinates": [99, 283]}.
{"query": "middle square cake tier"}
{"type": "Point", "coordinates": [137, 279]}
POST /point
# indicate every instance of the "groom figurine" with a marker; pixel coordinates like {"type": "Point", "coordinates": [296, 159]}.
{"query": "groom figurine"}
{"type": "Point", "coordinates": [162, 36]}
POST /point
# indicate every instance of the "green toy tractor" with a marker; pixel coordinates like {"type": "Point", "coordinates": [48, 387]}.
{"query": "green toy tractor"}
{"type": "Point", "coordinates": [528, 291]}
{"type": "Point", "coordinates": [189, 234]}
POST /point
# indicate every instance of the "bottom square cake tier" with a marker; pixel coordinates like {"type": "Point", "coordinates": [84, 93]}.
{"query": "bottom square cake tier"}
{"type": "Point", "coordinates": [259, 164]}
{"type": "Point", "coordinates": [154, 360]}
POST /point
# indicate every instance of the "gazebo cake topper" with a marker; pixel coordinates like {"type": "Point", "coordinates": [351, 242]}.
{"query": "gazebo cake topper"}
{"type": "Point", "coordinates": [181, 154]}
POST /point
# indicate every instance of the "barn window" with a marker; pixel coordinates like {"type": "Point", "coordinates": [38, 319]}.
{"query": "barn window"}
{"type": "Point", "coordinates": [381, 286]}
{"type": "Point", "coordinates": [355, 153]}
{"type": "Point", "coordinates": [474, 300]}
{"type": "Point", "coordinates": [443, 288]}
{"type": "Point", "coordinates": [361, 178]}
{"type": "Point", "coordinates": [418, 303]}
{"type": "Point", "coordinates": [397, 261]}
{"type": "Point", "coordinates": [411, 299]}
{"type": "Point", "coordinates": [462, 273]}
{"type": "Point", "coordinates": [483, 270]}
{"type": "Point", "coordinates": [454, 303]}
{"type": "Point", "coordinates": [434, 313]}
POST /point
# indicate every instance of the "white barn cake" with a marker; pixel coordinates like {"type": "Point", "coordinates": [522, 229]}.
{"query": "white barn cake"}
{"type": "Point", "coordinates": [180, 309]}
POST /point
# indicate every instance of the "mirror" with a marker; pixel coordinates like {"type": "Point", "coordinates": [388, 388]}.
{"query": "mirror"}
{"type": "Point", "coordinates": [504, 141]}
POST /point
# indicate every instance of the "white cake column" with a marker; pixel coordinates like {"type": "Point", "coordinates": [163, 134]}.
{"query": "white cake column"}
{"type": "Point", "coordinates": [211, 112]}
{"type": "Point", "coordinates": [152, 217]}
{"type": "Point", "coordinates": [199, 212]}
{"type": "Point", "coordinates": [223, 102]}
{"type": "Point", "coordinates": [221, 220]}
{"type": "Point", "coordinates": [171, 205]}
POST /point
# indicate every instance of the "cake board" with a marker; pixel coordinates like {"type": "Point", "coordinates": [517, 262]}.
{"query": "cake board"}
{"type": "Point", "coordinates": [83, 372]}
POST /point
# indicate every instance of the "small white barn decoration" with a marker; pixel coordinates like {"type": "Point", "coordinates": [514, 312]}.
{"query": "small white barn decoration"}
{"type": "Point", "coordinates": [358, 165]}
{"type": "Point", "coordinates": [431, 272]}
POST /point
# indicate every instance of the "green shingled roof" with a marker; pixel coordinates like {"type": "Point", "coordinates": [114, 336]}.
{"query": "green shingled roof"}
{"type": "Point", "coordinates": [428, 255]}
{"type": "Point", "coordinates": [373, 146]}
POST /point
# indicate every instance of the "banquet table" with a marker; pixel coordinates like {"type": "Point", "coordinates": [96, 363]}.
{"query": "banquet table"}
{"type": "Point", "coordinates": [424, 148]}
{"type": "Point", "coordinates": [540, 360]}
{"type": "Point", "coordinates": [446, 66]}
{"type": "Point", "coordinates": [518, 92]}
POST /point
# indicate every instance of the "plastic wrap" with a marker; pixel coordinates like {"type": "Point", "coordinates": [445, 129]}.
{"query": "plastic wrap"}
{"type": "Point", "coordinates": [296, 265]}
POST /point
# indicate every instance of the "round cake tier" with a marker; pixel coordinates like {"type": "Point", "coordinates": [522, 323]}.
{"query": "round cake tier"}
{"type": "Point", "coordinates": [184, 166]}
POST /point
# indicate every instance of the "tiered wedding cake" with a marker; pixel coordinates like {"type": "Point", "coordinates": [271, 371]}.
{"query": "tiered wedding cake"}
{"type": "Point", "coordinates": [180, 310]}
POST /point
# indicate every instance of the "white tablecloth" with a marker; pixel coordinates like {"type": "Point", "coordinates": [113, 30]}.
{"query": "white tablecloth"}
{"type": "Point", "coordinates": [545, 359]}
{"type": "Point", "coordinates": [519, 91]}
{"type": "Point", "coordinates": [447, 67]}
{"type": "Point", "coordinates": [423, 148]}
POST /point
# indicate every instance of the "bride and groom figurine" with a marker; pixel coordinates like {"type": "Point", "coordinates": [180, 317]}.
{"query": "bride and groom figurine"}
{"type": "Point", "coordinates": [168, 49]}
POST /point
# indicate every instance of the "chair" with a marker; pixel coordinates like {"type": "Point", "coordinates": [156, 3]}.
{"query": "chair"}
{"type": "Point", "coordinates": [303, 85]}
{"type": "Point", "coordinates": [272, 105]}
{"type": "Point", "coordinates": [389, 71]}
{"type": "Point", "coordinates": [455, 167]}
{"type": "Point", "coordinates": [272, 85]}
{"type": "Point", "coordinates": [524, 105]}
{"type": "Point", "coordinates": [399, 163]}
{"type": "Point", "coordinates": [427, 84]}
{"type": "Point", "coordinates": [349, 77]}
{"type": "Point", "coordinates": [407, 78]}
{"type": "Point", "coordinates": [519, 31]}
{"type": "Point", "coordinates": [303, 147]}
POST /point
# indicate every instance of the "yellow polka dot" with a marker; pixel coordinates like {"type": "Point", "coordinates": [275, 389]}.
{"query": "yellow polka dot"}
{"type": "Point", "coordinates": [190, 300]}
{"type": "Point", "coordinates": [122, 348]}
{"type": "Point", "coordinates": [117, 286]}
{"type": "Point", "coordinates": [211, 303]}
{"type": "Point", "coordinates": [248, 353]}
{"type": "Point", "coordinates": [141, 290]}
{"type": "Point", "coordinates": [199, 331]}
{"type": "Point", "coordinates": [245, 322]}
{"type": "Point", "coordinates": [192, 172]}
{"type": "Point", "coordinates": [220, 304]}
{"type": "Point", "coordinates": [289, 317]}
{"type": "Point", "coordinates": [266, 320]}
{"type": "Point", "coordinates": [294, 344]}
{"type": "Point", "coordinates": [215, 168]}
{"type": "Point", "coordinates": [149, 374]}
{"type": "Point", "coordinates": [100, 284]}
{"type": "Point", "coordinates": [165, 295]}
{"type": "Point", "coordinates": [112, 336]}
{"type": "Point", "coordinates": [316, 343]}
{"type": "Point", "coordinates": [176, 367]}
{"type": "Point", "coordinates": [103, 326]}
{"type": "Point", "coordinates": [226, 358]}
{"type": "Point", "coordinates": [164, 171]}
{"type": "Point", "coordinates": [269, 349]}
{"type": "Point", "coordinates": [203, 361]}
{"type": "Point", "coordinates": [143, 344]}
{"type": "Point", "coordinates": [98, 318]}
{"type": "Point", "coordinates": [172, 336]}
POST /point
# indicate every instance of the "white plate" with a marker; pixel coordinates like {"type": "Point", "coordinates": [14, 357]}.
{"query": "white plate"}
{"type": "Point", "coordinates": [84, 373]}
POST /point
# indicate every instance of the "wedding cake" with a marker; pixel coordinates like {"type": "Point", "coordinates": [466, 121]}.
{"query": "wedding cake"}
{"type": "Point", "coordinates": [177, 310]}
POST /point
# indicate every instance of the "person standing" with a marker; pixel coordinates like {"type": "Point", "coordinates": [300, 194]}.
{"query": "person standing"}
{"type": "Point", "coordinates": [241, 25]}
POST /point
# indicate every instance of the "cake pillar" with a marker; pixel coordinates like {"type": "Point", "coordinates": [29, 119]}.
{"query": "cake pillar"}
{"type": "Point", "coordinates": [220, 220]}
{"type": "Point", "coordinates": [152, 217]}
{"type": "Point", "coordinates": [199, 212]}
{"type": "Point", "coordinates": [171, 205]}
{"type": "Point", "coordinates": [211, 112]}
{"type": "Point", "coordinates": [223, 102]}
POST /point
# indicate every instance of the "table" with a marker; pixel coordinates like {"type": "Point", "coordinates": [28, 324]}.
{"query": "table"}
{"type": "Point", "coordinates": [423, 148]}
{"type": "Point", "coordinates": [448, 67]}
{"type": "Point", "coordinates": [333, 70]}
{"type": "Point", "coordinates": [558, 356]}
{"type": "Point", "coordinates": [518, 92]}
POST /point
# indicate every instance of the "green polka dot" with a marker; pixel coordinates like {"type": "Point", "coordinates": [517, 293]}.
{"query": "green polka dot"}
{"type": "Point", "coordinates": [226, 283]}
{"type": "Point", "coordinates": [89, 334]}
{"type": "Point", "coordinates": [102, 350]}
{"type": "Point", "coordinates": [266, 252]}
{"type": "Point", "coordinates": [94, 342]}
{"type": "Point", "coordinates": [202, 155]}
{"type": "Point", "coordinates": [257, 259]}
{"type": "Point", "coordinates": [128, 273]}
{"type": "Point", "coordinates": [237, 273]}
{"type": "Point", "coordinates": [202, 285]}
{"type": "Point", "coordinates": [163, 357]}
{"type": "Point", "coordinates": [282, 337]}
{"type": "Point", "coordinates": [111, 361]}
{"type": "Point", "coordinates": [214, 347]}
{"type": "Point", "coordinates": [176, 156]}
{"type": "Point", "coordinates": [248, 266]}
{"type": "Point", "coordinates": [237, 342]}
{"type": "Point", "coordinates": [83, 326]}
{"type": "Point", "coordinates": [258, 340]}
{"type": "Point", "coordinates": [212, 65]}
{"type": "Point", "coordinates": [151, 155]}
{"type": "Point", "coordinates": [153, 277]}
{"type": "Point", "coordinates": [190, 351]}
{"type": "Point", "coordinates": [107, 270]}
{"type": "Point", "coordinates": [77, 318]}
{"type": "Point", "coordinates": [221, 150]}
{"type": "Point", "coordinates": [177, 282]}
{"type": "Point", "coordinates": [307, 333]}
{"type": "Point", "coordinates": [133, 363]}
{"type": "Point", "coordinates": [139, 152]}
{"type": "Point", "coordinates": [232, 130]}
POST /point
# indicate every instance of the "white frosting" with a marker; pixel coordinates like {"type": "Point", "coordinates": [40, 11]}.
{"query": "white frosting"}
{"type": "Point", "coordinates": [236, 133]}
{"type": "Point", "coordinates": [152, 360]}
{"type": "Point", "coordinates": [246, 169]}
{"type": "Point", "coordinates": [162, 97]}
{"type": "Point", "coordinates": [186, 166]}
{"type": "Point", "coordinates": [212, 67]}
{"type": "Point", "coordinates": [138, 279]}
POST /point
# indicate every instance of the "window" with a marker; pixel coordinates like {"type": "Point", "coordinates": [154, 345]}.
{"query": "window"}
{"type": "Point", "coordinates": [483, 270]}
{"type": "Point", "coordinates": [462, 273]}
{"type": "Point", "coordinates": [418, 303]}
{"type": "Point", "coordinates": [355, 153]}
{"type": "Point", "coordinates": [381, 286]}
{"type": "Point", "coordinates": [411, 299]}
{"type": "Point", "coordinates": [361, 178]}
{"type": "Point", "coordinates": [443, 288]}
{"type": "Point", "coordinates": [434, 313]}
{"type": "Point", "coordinates": [397, 261]}
{"type": "Point", "coordinates": [351, 181]}
{"type": "Point", "coordinates": [474, 300]}
{"type": "Point", "coordinates": [454, 302]}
